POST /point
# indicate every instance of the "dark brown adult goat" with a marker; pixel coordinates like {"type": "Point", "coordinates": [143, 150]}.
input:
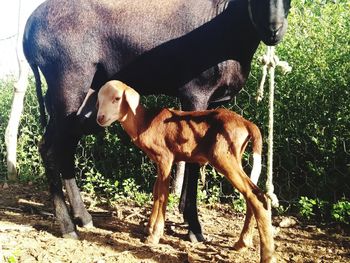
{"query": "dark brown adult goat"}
{"type": "Point", "coordinates": [80, 44]}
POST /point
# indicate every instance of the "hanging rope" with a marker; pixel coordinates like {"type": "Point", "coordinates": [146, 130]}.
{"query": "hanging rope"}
{"type": "Point", "coordinates": [270, 61]}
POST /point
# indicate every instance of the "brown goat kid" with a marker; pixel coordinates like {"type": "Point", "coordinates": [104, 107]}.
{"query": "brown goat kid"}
{"type": "Point", "coordinates": [218, 137]}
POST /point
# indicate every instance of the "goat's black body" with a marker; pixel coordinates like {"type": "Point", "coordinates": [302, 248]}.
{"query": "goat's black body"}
{"type": "Point", "coordinates": [81, 44]}
{"type": "Point", "coordinates": [168, 67]}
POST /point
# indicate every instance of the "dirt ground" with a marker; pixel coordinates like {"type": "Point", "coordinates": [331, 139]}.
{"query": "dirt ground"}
{"type": "Point", "coordinates": [28, 233]}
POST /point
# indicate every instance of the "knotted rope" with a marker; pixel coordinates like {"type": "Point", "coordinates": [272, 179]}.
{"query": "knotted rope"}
{"type": "Point", "coordinates": [270, 61]}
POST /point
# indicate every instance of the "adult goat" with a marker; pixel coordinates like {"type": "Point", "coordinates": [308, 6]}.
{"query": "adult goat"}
{"type": "Point", "coordinates": [79, 45]}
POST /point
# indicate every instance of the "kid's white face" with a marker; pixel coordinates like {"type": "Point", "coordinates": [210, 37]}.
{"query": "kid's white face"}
{"type": "Point", "coordinates": [109, 105]}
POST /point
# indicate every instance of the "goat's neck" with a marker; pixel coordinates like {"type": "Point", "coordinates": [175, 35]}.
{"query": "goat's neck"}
{"type": "Point", "coordinates": [230, 35]}
{"type": "Point", "coordinates": [133, 123]}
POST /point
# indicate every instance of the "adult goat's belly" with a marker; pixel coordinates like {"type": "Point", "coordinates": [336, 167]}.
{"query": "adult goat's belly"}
{"type": "Point", "coordinates": [228, 80]}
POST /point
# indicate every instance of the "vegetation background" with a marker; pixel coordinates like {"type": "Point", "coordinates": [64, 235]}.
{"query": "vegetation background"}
{"type": "Point", "coordinates": [312, 127]}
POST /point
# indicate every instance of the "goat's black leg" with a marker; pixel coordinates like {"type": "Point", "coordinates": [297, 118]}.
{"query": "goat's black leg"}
{"type": "Point", "coordinates": [188, 199]}
{"type": "Point", "coordinates": [188, 202]}
{"type": "Point", "coordinates": [80, 214]}
{"type": "Point", "coordinates": [48, 151]}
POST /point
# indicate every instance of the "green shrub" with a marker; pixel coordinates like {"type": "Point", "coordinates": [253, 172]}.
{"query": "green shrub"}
{"type": "Point", "coordinates": [341, 211]}
{"type": "Point", "coordinates": [312, 108]}
{"type": "Point", "coordinates": [315, 209]}
{"type": "Point", "coordinates": [312, 113]}
{"type": "Point", "coordinates": [239, 205]}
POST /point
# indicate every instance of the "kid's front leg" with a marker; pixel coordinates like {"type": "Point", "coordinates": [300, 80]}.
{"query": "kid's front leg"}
{"type": "Point", "coordinates": [161, 193]}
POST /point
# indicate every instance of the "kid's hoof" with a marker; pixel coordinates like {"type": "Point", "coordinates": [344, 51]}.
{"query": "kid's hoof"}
{"type": "Point", "coordinates": [152, 240]}
{"type": "Point", "coordinates": [270, 259]}
{"type": "Point", "coordinates": [240, 245]}
{"type": "Point", "coordinates": [147, 230]}
{"type": "Point", "coordinates": [194, 238]}
{"type": "Point", "coordinates": [71, 235]}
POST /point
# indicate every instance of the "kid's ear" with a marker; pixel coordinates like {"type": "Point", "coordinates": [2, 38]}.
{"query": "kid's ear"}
{"type": "Point", "coordinates": [133, 99]}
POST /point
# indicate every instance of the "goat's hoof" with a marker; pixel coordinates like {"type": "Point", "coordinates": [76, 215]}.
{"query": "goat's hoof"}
{"type": "Point", "coordinates": [89, 225]}
{"type": "Point", "coordinates": [152, 240]}
{"type": "Point", "coordinates": [83, 220]}
{"type": "Point", "coordinates": [71, 235]}
{"type": "Point", "coordinates": [194, 238]}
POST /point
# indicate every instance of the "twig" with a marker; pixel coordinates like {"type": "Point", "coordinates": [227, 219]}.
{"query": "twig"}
{"type": "Point", "coordinates": [9, 37]}
{"type": "Point", "coordinates": [28, 209]}
{"type": "Point", "coordinates": [20, 228]}
{"type": "Point", "coordinates": [135, 214]}
{"type": "Point", "coordinates": [102, 214]}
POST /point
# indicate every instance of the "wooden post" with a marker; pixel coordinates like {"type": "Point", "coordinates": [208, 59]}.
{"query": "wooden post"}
{"type": "Point", "coordinates": [17, 103]}
{"type": "Point", "coordinates": [179, 174]}
{"type": "Point", "coordinates": [179, 178]}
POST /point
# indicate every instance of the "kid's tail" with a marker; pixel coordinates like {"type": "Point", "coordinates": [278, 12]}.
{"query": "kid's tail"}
{"type": "Point", "coordinates": [256, 139]}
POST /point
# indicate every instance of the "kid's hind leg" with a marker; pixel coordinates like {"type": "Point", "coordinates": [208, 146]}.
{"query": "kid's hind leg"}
{"type": "Point", "coordinates": [246, 237]}
{"type": "Point", "coordinates": [258, 202]}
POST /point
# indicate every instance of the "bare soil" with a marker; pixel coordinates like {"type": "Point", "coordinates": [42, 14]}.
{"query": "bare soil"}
{"type": "Point", "coordinates": [28, 233]}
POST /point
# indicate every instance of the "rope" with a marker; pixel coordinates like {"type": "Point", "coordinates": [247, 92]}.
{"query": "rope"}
{"type": "Point", "coordinates": [270, 61]}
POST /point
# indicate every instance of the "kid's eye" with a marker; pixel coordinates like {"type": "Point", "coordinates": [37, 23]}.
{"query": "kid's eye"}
{"type": "Point", "coordinates": [116, 99]}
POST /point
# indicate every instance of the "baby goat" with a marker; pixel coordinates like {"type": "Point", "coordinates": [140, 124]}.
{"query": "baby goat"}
{"type": "Point", "coordinates": [218, 137]}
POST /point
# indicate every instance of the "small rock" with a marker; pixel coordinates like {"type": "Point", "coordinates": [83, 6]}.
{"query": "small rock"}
{"type": "Point", "coordinates": [219, 258]}
{"type": "Point", "coordinates": [276, 231]}
{"type": "Point", "coordinates": [193, 258]}
{"type": "Point", "coordinates": [5, 186]}
{"type": "Point", "coordinates": [287, 222]}
{"type": "Point", "coordinates": [119, 214]}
